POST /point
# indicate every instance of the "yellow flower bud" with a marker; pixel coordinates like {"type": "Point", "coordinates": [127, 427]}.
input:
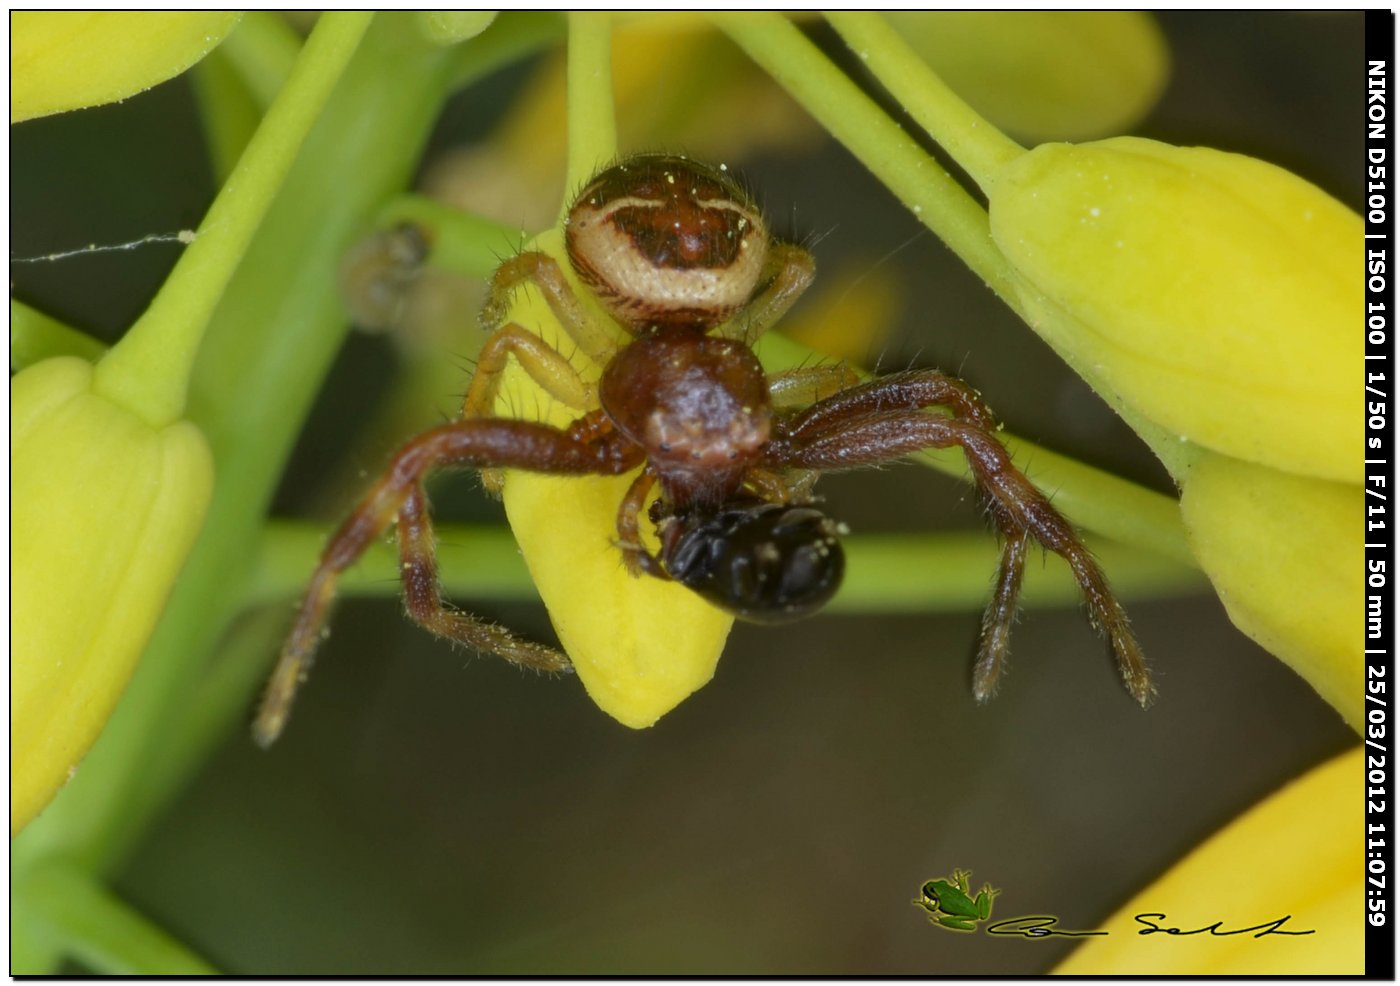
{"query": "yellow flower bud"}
{"type": "Point", "coordinates": [1295, 854]}
{"type": "Point", "coordinates": [1045, 74]}
{"type": "Point", "coordinates": [1285, 557]}
{"type": "Point", "coordinates": [640, 645]}
{"type": "Point", "coordinates": [1213, 293]}
{"type": "Point", "coordinates": [103, 510]}
{"type": "Point", "coordinates": [66, 60]}
{"type": "Point", "coordinates": [450, 27]}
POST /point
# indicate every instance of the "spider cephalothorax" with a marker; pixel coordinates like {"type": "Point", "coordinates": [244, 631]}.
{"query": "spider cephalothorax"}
{"type": "Point", "coordinates": [680, 257]}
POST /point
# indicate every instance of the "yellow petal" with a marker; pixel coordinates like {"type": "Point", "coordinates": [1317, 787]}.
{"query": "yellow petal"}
{"type": "Point", "coordinates": [1285, 556]}
{"type": "Point", "coordinates": [103, 511]}
{"type": "Point", "coordinates": [640, 645]}
{"type": "Point", "coordinates": [1297, 854]}
{"type": "Point", "coordinates": [66, 60]}
{"type": "Point", "coordinates": [1044, 74]}
{"type": "Point", "coordinates": [1214, 293]}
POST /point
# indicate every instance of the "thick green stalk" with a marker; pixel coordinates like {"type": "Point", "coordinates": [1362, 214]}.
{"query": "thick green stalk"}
{"type": "Point", "coordinates": [100, 930]}
{"type": "Point", "coordinates": [35, 336]}
{"type": "Point", "coordinates": [269, 344]}
{"type": "Point", "coordinates": [149, 370]}
{"type": "Point", "coordinates": [853, 118]}
{"type": "Point", "coordinates": [979, 147]}
{"type": "Point", "coordinates": [592, 126]}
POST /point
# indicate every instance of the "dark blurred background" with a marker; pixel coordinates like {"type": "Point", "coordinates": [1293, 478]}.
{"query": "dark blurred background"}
{"type": "Point", "coordinates": [434, 813]}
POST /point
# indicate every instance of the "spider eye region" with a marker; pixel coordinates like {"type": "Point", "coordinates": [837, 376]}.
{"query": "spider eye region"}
{"type": "Point", "coordinates": [663, 240]}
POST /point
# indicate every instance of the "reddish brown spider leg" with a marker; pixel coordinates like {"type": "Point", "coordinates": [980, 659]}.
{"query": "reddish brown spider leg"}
{"type": "Point", "coordinates": [871, 439]}
{"type": "Point", "coordinates": [587, 446]}
{"type": "Point", "coordinates": [787, 272]}
{"type": "Point", "coordinates": [999, 617]}
{"type": "Point", "coordinates": [423, 597]}
{"type": "Point", "coordinates": [911, 390]}
{"type": "Point", "coordinates": [629, 536]}
{"type": "Point", "coordinates": [543, 271]}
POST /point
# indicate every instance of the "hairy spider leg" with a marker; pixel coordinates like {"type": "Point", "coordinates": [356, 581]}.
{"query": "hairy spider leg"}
{"type": "Point", "coordinates": [542, 270]}
{"type": "Point", "coordinates": [801, 387]}
{"type": "Point", "coordinates": [1000, 614]}
{"type": "Point", "coordinates": [589, 446]}
{"type": "Point", "coordinates": [910, 390]}
{"type": "Point", "coordinates": [787, 272]}
{"type": "Point", "coordinates": [629, 535]}
{"type": "Point", "coordinates": [917, 389]}
{"type": "Point", "coordinates": [817, 439]}
{"type": "Point", "coordinates": [544, 364]}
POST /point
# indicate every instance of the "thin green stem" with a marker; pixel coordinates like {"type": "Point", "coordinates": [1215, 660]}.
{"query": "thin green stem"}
{"type": "Point", "coordinates": [263, 50]}
{"type": "Point", "coordinates": [980, 148]}
{"type": "Point", "coordinates": [525, 32]}
{"type": "Point", "coordinates": [953, 572]}
{"type": "Point", "coordinates": [479, 561]}
{"type": "Point", "coordinates": [921, 183]}
{"type": "Point", "coordinates": [227, 112]}
{"type": "Point", "coordinates": [35, 336]}
{"type": "Point", "coordinates": [98, 928]}
{"type": "Point", "coordinates": [149, 370]}
{"type": "Point", "coordinates": [907, 573]}
{"type": "Point", "coordinates": [463, 242]}
{"type": "Point", "coordinates": [592, 126]}
{"type": "Point", "coordinates": [837, 103]}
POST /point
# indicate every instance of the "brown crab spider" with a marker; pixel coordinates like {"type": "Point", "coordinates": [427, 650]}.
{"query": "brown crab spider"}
{"type": "Point", "coordinates": [679, 257]}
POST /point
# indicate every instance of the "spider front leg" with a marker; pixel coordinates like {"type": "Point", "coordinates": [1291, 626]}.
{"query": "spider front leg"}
{"type": "Point", "coordinates": [787, 272]}
{"type": "Point", "coordinates": [851, 430]}
{"type": "Point", "coordinates": [544, 364]}
{"type": "Point", "coordinates": [588, 446]}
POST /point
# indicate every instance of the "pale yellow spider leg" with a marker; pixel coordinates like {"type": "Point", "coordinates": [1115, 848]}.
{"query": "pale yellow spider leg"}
{"type": "Point", "coordinates": [793, 390]}
{"type": "Point", "coordinates": [543, 271]}
{"type": "Point", "coordinates": [787, 272]}
{"type": "Point", "coordinates": [544, 364]}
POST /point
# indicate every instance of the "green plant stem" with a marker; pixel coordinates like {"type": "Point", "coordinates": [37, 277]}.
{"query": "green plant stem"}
{"type": "Point", "coordinates": [920, 182]}
{"type": "Point", "coordinates": [462, 242]}
{"type": "Point", "coordinates": [149, 370]}
{"type": "Point", "coordinates": [837, 103]}
{"type": "Point", "coordinates": [592, 126]}
{"type": "Point", "coordinates": [35, 336]}
{"type": "Point", "coordinates": [99, 929]}
{"type": "Point", "coordinates": [263, 50]}
{"type": "Point", "coordinates": [220, 697]}
{"type": "Point", "coordinates": [526, 33]}
{"type": "Point", "coordinates": [450, 27]}
{"type": "Point", "coordinates": [980, 148]}
{"type": "Point", "coordinates": [481, 561]}
{"type": "Point", "coordinates": [907, 573]}
{"type": "Point", "coordinates": [272, 338]}
{"type": "Point", "coordinates": [227, 112]}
